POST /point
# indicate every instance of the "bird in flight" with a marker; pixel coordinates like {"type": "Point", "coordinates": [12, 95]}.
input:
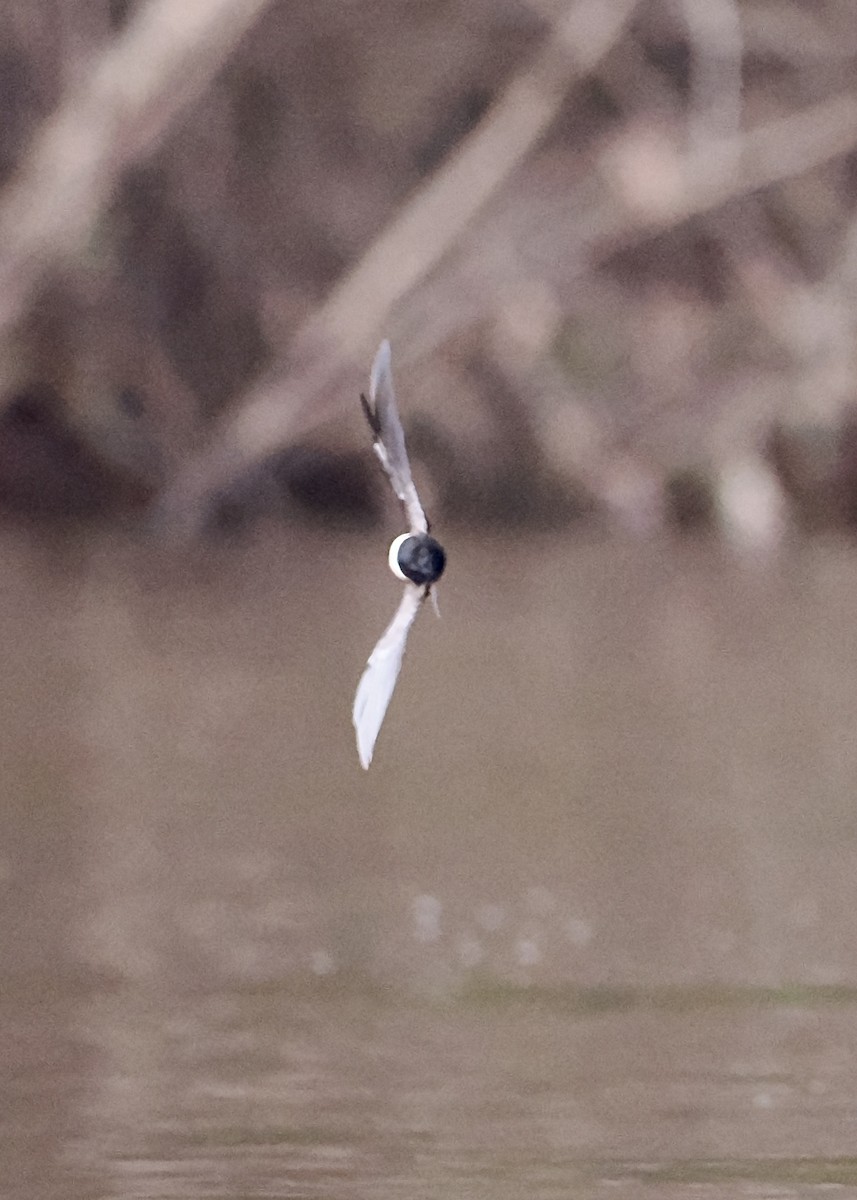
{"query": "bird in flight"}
{"type": "Point", "coordinates": [415, 557]}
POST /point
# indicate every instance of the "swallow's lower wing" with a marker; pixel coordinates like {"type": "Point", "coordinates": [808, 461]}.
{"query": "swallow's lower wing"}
{"type": "Point", "coordinates": [383, 416]}
{"type": "Point", "coordinates": [382, 670]}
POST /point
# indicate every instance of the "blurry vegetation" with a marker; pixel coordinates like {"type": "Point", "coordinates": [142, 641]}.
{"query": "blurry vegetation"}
{"type": "Point", "coordinates": [616, 255]}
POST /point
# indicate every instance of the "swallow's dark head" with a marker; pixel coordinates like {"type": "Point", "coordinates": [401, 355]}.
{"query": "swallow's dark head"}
{"type": "Point", "coordinates": [417, 557]}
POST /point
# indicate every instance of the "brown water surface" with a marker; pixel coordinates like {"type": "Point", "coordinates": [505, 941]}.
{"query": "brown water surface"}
{"type": "Point", "coordinates": [585, 928]}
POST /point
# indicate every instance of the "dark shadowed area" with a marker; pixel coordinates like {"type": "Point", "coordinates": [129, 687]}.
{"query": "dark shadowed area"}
{"type": "Point", "coordinates": [586, 927]}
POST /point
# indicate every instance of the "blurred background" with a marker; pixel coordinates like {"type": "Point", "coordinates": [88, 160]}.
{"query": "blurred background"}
{"type": "Point", "coordinates": [587, 923]}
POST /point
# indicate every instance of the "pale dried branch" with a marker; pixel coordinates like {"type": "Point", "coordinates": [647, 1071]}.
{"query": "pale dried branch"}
{"type": "Point", "coordinates": [767, 155]}
{"type": "Point", "coordinates": [431, 223]}
{"type": "Point", "coordinates": [120, 110]}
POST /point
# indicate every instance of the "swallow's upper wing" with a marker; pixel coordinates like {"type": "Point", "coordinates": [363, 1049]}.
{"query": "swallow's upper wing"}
{"type": "Point", "coordinates": [383, 416]}
{"type": "Point", "coordinates": [382, 670]}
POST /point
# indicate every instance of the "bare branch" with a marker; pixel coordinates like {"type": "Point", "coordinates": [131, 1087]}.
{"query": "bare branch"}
{"type": "Point", "coordinates": [433, 220]}
{"type": "Point", "coordinates": [121, 109]}
{"type": "Point", "coordinates": [769, 154]}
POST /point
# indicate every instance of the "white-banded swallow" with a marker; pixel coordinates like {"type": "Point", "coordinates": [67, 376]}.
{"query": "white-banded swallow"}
{"type": "Point", "coordinates": [414, 557]}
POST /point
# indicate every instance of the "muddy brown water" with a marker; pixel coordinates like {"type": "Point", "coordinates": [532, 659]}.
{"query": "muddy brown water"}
{"type": "Point", "coordinates": [587, 926]}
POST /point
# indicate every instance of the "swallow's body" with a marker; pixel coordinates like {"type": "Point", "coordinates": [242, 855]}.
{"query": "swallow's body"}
{"type": "Point", "coordinates": [415, 557]}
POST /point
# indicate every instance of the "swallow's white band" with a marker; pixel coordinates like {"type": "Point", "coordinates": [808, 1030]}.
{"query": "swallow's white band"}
{"type": "Point", "coordinates": [393, 556]}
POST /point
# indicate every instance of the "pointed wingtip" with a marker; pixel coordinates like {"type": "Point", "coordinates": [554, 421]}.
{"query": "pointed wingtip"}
{"type": "Point", "coordinates": [364, 749]}
{"type": "Point", "coordinates": [364, 753]}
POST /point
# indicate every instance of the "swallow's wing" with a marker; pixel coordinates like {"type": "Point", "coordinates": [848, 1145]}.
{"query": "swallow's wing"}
{"type": "Point", "coordinates": [383, 416]}
{"type": "Point", "coordinates": [382, 670]}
